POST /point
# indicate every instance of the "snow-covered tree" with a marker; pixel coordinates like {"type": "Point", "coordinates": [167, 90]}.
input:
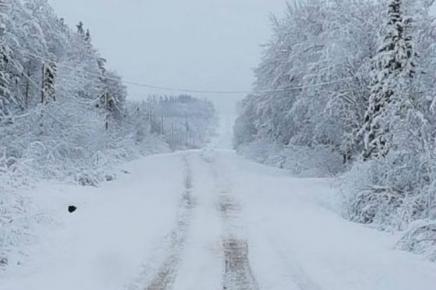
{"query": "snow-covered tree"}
{"type": "Point", "coordinates": [393, 69]}
{"type": "Point", "coordinates": [312, 83]}
{"type": "Point", "coordinates": [113, 94]}
{"type": "Point", "coordinates": [48, 92]}
{"type": "Point", "coordinates": [8, 98]}
{"type": "Point", "coordinates": [5, 79]}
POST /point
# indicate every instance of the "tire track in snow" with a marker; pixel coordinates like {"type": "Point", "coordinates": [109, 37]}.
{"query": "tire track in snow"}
{"type": "Point", "coordinates": [238, 274]}
{"type": "Point", "coordinates": [166, 273]}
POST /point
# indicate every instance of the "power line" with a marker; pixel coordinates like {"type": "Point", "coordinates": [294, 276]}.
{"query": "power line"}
{"type": "Point", "coordinates": [189, 90]}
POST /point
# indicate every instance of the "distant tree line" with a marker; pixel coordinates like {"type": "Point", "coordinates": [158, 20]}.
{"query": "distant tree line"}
{"type": "Point", "coordinates": [184, 122]}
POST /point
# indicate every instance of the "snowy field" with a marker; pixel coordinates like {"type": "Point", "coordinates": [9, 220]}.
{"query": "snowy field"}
{"type": "Point", "coordinates": [209, 219]}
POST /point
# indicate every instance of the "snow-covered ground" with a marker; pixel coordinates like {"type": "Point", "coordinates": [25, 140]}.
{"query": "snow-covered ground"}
{"type": "Point", "coordinates": [207, 220]}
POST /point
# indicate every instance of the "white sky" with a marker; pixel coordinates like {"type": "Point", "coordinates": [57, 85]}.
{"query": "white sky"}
{"type": "Point", "coordinates": [199, 44]}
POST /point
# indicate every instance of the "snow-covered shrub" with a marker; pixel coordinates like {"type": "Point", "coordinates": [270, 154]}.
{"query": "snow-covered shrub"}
{"type": "Point", "coordinates": [389, 192]}
{"type": "Point", "coordinates": [420, 238]}
{"type": "Point", "coordinates": [367, 198]}
{"type": "Point", "coordinates": [299, 160]}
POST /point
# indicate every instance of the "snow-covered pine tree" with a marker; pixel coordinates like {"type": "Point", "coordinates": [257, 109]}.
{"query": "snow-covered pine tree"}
{"type": "Point", "coordinates": [113, 94]}
{"type": "Point", "coordinates": [88, 36]}
{"type": "Point", "coordinates": [80, 28]}
{"type": "Point", "coordinates": [4, 78]}
{"type": "Point", "coordinates": [393, 66]}
{"type": "Point", "coordinates": [6, 97]}
{"type": "Point", "coordinates": [48, 92]}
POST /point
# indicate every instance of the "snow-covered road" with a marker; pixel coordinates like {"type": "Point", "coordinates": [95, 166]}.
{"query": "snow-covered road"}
{"type": "Point", "coordinates": [211, 220]}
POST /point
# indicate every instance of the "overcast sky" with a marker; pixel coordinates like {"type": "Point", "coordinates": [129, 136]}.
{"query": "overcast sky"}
{"type": "Point", "coordinates": [198, 44]}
